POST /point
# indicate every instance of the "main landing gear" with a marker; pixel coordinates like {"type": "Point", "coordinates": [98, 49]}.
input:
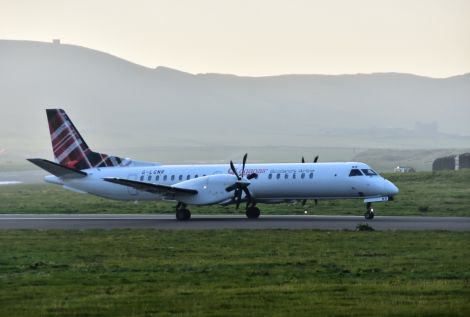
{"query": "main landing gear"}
{"type": "Point", "coordinates": [369, 214]}
{"type": "Point", "coordinates": [182, 213]}
{"type": "Point", "coordinates": [252, 212]}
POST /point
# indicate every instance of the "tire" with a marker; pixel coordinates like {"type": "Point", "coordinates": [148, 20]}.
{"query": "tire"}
{"type": "Point", "coordinates": [369, 215]}
{"type": "Point", "coordinates": [183, 214]}
{"type": "Point", "coordinates": [253, 212]}
{"type": "Point", "coordinates": [187, 214]}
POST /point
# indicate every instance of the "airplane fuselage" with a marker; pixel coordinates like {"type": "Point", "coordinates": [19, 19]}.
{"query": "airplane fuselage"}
{"type": "Point", "coordinates": [274, 183]}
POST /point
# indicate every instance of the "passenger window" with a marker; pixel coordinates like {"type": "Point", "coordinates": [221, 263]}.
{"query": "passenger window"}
{"type": "Point", "coordinates": [172, 177]}
{"type": "Point", "coordinates": [149, 178]}
{"type": "Point", "coordinates": [196, 176]}
{"type": "Point", "coordinates": [270, 176]}
{"type": "Point", "coordinates": [141, 178]}
{"type": "Point", "coordinates": [311, 175]}
{"type": "Point", "coordinates": [180, 178]}
{"type": "Point", "coordinates": [286, 176]}
{"type": "Point", "coordinates": [157, 178]}
{"type": "Point", "coordinates": [355, 172]}
{"type": "Point", "coordinates": [302, 175]}
{"type": "Point", "coordinates": [278, 176]}
{"type": "Point", "coordinates": [188, 176]}
{"type": "Point", "coordinates": [164, 178]}
{"type": "Point", "coordinates": [293, 176]}
{"type": "Point", "coordinates": [369, 172]}
{"type": "Point", "coordinates": [203, 175]}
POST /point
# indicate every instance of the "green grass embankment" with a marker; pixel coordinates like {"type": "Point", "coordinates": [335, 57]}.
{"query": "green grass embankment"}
{"type": "Point", "coordinates": [234, 273]}
{"type": "Point", "coordinates": [423, 193]}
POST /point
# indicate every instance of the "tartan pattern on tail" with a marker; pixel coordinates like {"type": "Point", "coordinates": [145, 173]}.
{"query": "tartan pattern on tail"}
{"type": "Point", "coordinates": [69, 147]}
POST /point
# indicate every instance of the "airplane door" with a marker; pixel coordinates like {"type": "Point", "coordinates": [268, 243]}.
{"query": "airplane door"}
{"type": "Point", "coordinates": [132, 191]}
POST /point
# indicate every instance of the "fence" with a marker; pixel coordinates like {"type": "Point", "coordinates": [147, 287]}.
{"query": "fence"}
{"type": "Point", "coordinates": [452, 162]}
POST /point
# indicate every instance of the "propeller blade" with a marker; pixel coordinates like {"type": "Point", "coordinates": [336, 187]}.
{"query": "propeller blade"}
{"type": "Point", "coordinates": [247, 193]}
{"type": "Point", "coordinates": [231, 187]}
{"type": "Point", "coordinates": [303, 159]}
{"type": "Point", "coordinates": [316, 159]}
{"type": "Point", "coordinates": [252, 175]}
{"type": "Point", "coordinates": [248, 196]}
{"type": "Point", "coordinates": [244, 162]}
{"type": "Point", "coordinates": [238, 195]}
{"type": "Point", "coordinates": [234, 170]}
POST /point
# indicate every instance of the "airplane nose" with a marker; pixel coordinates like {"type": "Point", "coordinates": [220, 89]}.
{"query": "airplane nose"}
{"type": "Point", "coordinates": [389, 188]}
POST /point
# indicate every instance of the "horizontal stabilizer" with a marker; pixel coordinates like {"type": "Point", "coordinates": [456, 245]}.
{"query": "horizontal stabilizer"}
{"type": "Point", "coordinates": [151, 188]}
{"type": "Point", "coordinates": [57, 169]}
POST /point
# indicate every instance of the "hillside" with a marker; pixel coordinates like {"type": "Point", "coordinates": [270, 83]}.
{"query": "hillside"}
{"type": "Point", "coordinates": [120, 105]}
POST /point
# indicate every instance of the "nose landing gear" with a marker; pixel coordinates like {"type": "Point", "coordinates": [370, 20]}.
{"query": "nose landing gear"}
{"type": "Point", "coordinates": [182, 213]}
{"type": "Point", "coordinates": [369, 214]}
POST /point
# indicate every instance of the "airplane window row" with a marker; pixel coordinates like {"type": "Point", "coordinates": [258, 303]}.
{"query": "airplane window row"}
{"type": "Point", "coordinates": [294, 176]}
{"type": "Point", "coordinates": [165, 178]}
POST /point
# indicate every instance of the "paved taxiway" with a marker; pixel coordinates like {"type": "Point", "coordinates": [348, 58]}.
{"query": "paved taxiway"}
{"type": "Point", "coordinates": [204, 222]}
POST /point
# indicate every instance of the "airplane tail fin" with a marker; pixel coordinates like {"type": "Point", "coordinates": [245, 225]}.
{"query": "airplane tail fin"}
{"type": "Point", "coordinates": [70, 149]}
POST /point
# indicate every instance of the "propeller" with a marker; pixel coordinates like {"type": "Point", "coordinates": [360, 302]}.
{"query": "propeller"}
{"type": "Point", "coordinates": [314, 161]}
{"type": "Point", "coordinates": [241, 185]}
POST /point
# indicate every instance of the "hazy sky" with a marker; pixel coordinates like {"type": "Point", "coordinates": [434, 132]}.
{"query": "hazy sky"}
{"type": "Point", "coordinates": [258, 37]}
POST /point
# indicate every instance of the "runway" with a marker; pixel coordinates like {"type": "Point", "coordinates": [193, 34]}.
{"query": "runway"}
{"type": "Point", "coordinates": [211, 222]}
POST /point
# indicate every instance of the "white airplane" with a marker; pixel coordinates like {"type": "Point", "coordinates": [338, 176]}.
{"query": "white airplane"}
{"type": "Point", "coordinates": [79, 169]}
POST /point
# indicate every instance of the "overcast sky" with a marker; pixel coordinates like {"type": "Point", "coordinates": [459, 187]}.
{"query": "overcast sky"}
{"type": "Point", "coordinates": [258, 37]}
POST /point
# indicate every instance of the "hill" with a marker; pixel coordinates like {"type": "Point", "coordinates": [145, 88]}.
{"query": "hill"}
{"type": "Point", "coordinates": [119, 105]}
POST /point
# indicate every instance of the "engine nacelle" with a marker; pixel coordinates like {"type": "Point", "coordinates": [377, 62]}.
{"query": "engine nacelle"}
{"type": "Point", "coordinates": [211, 189]}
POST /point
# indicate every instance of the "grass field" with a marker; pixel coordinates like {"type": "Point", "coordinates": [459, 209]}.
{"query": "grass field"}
{"type": "Point", "coordinates": [423, 193]}
{"type": "Point", "coordinates": [234, 273]}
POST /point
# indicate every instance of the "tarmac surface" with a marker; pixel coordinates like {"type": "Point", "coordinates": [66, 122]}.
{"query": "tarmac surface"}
{"type": "Point", "coordinates": [211, 222]}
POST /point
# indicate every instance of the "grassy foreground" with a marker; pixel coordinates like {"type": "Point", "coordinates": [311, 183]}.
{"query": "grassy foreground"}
{"type": "Point", "coordinates": [233, 273]}
{"type": "Point", "coordinates": [424, 193]}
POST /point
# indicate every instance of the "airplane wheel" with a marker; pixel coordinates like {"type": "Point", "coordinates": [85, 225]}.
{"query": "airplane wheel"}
{"type": "Point", "coordinates": [252, 212]}
{"type": "Point", "coordinates": [369, 212]}
{"type": "Point", "coordinates": [369, 215]}
{"type": "Point", "coordinates": [183, 214]}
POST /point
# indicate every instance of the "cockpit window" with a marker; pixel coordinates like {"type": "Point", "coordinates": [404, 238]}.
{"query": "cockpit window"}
{"type": "Point", "coordinates": [355, 172]}
{"type": "Point", "coordinates": [369, 172]}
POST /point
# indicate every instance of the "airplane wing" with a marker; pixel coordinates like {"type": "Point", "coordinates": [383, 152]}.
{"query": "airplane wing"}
{"type": "Point", "coordinates": [57, 169]}
{"type": "Point", "coordinates": [151, 188]}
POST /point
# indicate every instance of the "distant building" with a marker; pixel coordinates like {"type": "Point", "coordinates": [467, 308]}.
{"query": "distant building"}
{"type": "Point", "coordinates": [404, 169]}
{"type": "Point", "coordinates": [452, 162]}
{"type": "Point", "coordinates": [464, 160]}
{"type": "Point", "coordinates": [56, 41]}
